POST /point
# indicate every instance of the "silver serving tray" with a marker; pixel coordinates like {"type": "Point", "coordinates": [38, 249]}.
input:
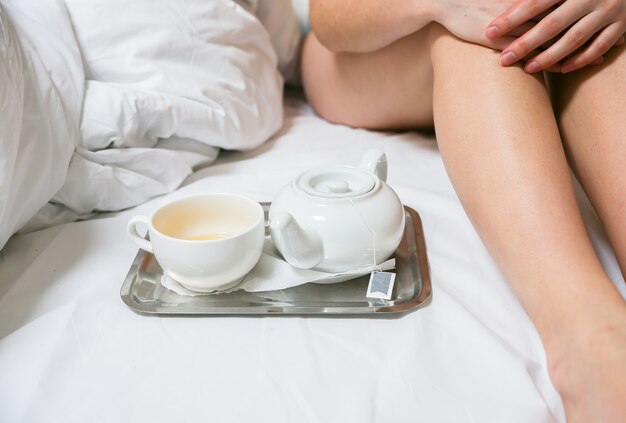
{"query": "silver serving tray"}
{"type": "Point", "coordinates": [142, 290]}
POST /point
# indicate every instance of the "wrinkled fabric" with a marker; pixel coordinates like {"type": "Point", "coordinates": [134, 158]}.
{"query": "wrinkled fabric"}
{"type": "Point", "coordinates": [41, 93]}
{"type": "Point", "coordinates": [72, 351]}
{"type": "Point", "coordinates": [146, 92]}
{"type": "Point", "coordinates": [196, 71]}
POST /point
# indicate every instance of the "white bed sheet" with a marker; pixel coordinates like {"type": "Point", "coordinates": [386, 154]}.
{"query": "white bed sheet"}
{"type": "Point", "coordinates": [71, 350]}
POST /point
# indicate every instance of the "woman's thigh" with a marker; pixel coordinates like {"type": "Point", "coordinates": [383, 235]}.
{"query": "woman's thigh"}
{"type": "Point", "coordinates": [391, 88]}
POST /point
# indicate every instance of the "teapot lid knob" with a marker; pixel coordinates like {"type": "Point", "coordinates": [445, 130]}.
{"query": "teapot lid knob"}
{"type": "Point", "coordinates": [336, 182]}
{"type": "Point", "coordinates": [338, 186]}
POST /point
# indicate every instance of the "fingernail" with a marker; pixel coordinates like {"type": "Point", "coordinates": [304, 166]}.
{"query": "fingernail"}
{"type": "Point", "coordinates": [532, 67]}
{"type": "Point", "coordinates": [598, 61]}
{"type": "Point", "coordinates": [493, 31]}
{"type": "Point", "coordinates": [507, 58]}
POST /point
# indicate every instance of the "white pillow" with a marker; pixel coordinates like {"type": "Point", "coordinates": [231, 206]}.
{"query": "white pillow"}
{"type": "Point", "coordinates": [205, 66]}
{"type": "Point", "coordinates": [201, 74]}
{"type": "Point", "coordinates": [40, 100]}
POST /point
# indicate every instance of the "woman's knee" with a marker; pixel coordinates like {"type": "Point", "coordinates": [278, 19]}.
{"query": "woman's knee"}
{"type": "Point", "coordinates": [386, 89]}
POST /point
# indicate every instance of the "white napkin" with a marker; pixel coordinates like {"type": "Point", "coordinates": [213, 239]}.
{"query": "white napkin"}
{"type": "Point", "coordinates": [273, 273]}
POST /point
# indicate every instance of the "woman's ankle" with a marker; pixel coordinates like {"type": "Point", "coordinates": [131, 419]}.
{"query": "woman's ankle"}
{"type": "Point", "coordinates": [592, 339]}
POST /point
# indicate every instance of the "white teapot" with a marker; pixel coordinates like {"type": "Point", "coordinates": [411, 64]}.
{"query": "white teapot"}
{"type": "Point", "coordinates": [338, 218]}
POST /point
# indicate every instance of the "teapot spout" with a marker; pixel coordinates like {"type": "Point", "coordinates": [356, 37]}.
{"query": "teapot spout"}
{"type": "Point", "coordinates": [375, 161]}
{"type": "Point", "coordinates": [301, 248]}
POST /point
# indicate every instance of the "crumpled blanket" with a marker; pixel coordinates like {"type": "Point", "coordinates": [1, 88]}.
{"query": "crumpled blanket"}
{"type": "Point", "coordinates": [112, 102]}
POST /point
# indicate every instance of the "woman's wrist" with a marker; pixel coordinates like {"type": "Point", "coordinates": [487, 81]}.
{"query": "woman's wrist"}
{"type": "Point", "coordinates": [412, 16]}
{"type": "Point", "coordinates": [434, 11]}
{"type": "Point", "coordinates": [424, 12]}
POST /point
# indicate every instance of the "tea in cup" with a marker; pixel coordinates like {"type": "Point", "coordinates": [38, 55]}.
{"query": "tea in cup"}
{"type": "Point", "coordinates": [206, 242]}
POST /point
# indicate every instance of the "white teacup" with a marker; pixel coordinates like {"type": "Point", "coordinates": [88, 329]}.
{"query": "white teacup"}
{"type": "Point", "coordinates": [206, 242]}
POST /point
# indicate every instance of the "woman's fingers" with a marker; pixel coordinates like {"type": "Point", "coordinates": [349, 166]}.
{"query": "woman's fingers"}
{"type": "Point", "coordinates": [571, 33]}
{"type": "Point", "coordinates": [498, 44]}
{"type": "Point", "coordinates": [521, 11]}
{"type": "Point", "coordinates": [544, 13]}
{"type": "Point", "coordinates": [522, 29]}
{"type": "Point", "coordinates": [551, 26]}
{"type": "Point", "coordinates": [554, 68]}
{"type": "Point", "coordinates": [557, 68]}
{"type": "Point", "coordinates": [573, 39]}
{"type": "Point", "coordinates": [606, 39]}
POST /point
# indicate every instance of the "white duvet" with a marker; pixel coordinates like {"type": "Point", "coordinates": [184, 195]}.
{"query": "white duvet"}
{"type": "Point", "coordinates": [110, 103]}
{"type": "Point", "coordinates": [40, 103]}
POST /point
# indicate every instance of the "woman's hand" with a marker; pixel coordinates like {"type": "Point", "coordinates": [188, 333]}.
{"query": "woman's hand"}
{"type": "Point", "coordinates": [581, 32]}
{"type": "Point", "coordinates": [467, 20]}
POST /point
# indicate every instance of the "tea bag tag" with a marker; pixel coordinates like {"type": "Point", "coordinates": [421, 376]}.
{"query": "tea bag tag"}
{"type": "Point", "coordinates": [381, 285]}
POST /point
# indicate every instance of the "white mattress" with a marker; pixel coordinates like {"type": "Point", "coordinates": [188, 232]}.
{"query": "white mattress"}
{"type": "Point", "coordinates": [71, 350]}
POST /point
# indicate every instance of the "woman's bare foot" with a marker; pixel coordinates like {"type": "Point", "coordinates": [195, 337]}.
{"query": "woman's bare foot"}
{"type": "Point", "coordinates": [589, 370]}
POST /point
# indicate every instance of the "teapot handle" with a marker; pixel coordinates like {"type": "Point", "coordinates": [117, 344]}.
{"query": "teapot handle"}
{"type": "Point", "coordinates": [375, 161]}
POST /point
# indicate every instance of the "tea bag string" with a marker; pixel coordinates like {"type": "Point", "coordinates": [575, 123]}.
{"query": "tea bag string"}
{"type": "Point", "coordinates": [376, 267]}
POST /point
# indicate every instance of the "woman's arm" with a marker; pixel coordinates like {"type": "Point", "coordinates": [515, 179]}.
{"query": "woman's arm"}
{"type": "Point", "coordinates": [361, 26]}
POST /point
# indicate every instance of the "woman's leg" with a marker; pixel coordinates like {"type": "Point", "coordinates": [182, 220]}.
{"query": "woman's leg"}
{"type": "Point", "coordinates": [378, 90]}
{"type": "Point", "coordinates": [500, 144]}
{"type": "Point", "coordinates": [503, 152]}
{"type": "Point", "coordinates": [591, 107]}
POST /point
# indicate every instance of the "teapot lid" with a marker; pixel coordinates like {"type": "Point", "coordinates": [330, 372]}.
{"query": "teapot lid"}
{"type": "Point", "coordinates": [336, 182]}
